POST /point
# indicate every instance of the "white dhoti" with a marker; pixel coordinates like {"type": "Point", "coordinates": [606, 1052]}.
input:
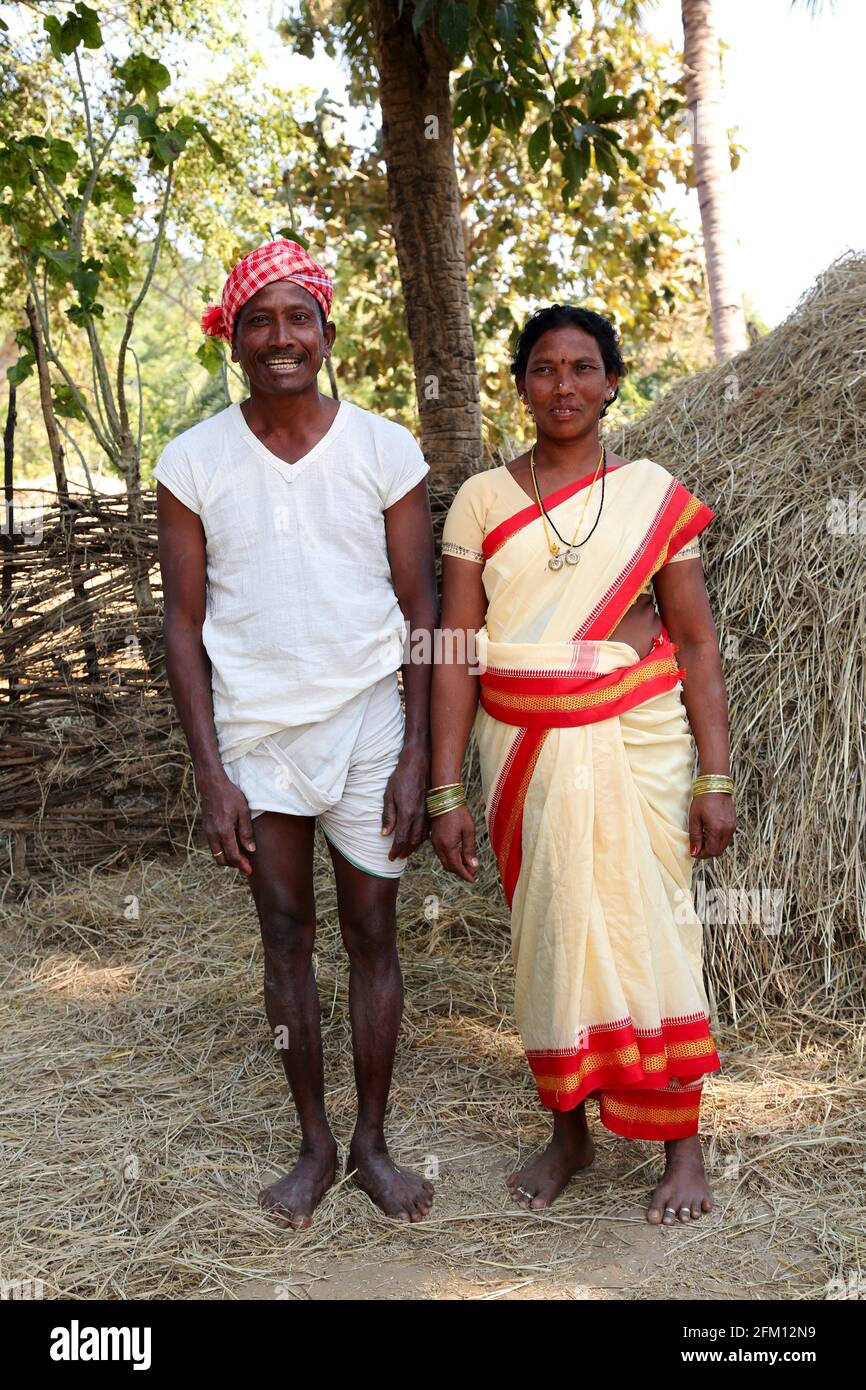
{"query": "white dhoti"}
{"type": "Point", "coordinates": [335, 770]}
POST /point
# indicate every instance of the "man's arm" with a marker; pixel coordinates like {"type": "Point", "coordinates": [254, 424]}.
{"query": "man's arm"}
{"type": "Point", "coordinates": [409, 534]}
{"type": "Point", "coordinates": [225, 813]}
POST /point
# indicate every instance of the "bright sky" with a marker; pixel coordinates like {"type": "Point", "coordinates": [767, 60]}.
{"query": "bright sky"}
{"type": "Point", "coordinates": [792, 89]}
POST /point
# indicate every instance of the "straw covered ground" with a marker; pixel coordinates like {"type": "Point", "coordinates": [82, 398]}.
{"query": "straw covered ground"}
{"type": "Point", "coordinates": [147, 1105]}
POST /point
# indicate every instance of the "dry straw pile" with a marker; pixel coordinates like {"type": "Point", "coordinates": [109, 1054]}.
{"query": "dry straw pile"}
{"type": "Point", "coordinates": [774, 442]}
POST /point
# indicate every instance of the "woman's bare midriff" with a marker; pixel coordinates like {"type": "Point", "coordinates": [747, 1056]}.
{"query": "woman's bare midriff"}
{"type": "Point", "coordinates": [641, 624]}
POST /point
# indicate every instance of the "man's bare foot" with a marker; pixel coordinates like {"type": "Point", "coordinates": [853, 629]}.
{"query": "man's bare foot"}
{"type": "Point", "coordinates": [570, 1149]}
{"type": "Point", "coordinates": [398, 1192]}
{"type": "Point", "coordinates": [291, 1200]}
{"type": "Point", "coordinates": [683, 1193]}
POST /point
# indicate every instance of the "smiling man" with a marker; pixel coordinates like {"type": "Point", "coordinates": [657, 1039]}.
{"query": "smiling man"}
{"type": "Point", "coordinates": [295, 544]}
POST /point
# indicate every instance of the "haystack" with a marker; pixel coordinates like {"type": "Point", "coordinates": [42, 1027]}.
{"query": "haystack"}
{"type": "Point", "coordinates": [773, 441]}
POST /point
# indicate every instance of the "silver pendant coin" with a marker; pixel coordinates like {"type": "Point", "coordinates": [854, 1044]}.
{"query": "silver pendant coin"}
{"type": "Point", "coordinates": [555, 562]}
{"type": "Point", "coordinates": [571, 557]}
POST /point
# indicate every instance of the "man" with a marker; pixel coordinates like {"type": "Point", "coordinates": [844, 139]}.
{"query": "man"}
{"type": "Point", "coordinates": [295, 543]}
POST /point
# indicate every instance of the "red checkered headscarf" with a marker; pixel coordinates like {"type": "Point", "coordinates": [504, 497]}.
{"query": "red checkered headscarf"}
{"type": "Point", "coordinates": [276, 260]}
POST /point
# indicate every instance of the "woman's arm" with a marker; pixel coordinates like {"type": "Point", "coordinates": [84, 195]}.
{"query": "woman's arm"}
{"type": "Point", "coordinates": [685, 610]}
{"type": "Point", "coordinates": [454, 703]}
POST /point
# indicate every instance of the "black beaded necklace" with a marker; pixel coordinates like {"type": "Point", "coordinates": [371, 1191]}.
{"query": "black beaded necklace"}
{"type": "Point", "coordinates": [571, 556]}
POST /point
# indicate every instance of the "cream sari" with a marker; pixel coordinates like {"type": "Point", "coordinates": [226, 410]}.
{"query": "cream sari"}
{"type": "Point", "coordinates": [586, 762]}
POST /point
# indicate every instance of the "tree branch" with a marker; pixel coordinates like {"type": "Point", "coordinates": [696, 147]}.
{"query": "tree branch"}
{"type": "Point", "coordinates": [134, 307]}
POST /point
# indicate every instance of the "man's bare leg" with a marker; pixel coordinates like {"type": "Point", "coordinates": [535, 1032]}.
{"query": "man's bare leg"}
{"type": "Point", "coordinates": [282, 886]}
{"type": "Point", "coordinates": [368, 921]}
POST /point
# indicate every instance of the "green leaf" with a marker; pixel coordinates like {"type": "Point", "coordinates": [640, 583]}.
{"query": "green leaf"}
{"type": "Point", "coordinates": [60, 159]}
{"type": "Point", "coordinates": [86, 280]}
{"type": "Point", "coordinates": [139, 73]}
{"type": "Point", "coordinates": [123, 194]}
{"type": "Point", "coordinates": [454, 27]}
{"type": "Point", "coordinates": [79, 315]}
{"type": "Point", "coordinates": [81, 25]}
{"type": "Point", "coordinates": [91, 34]}
{"type": "Point", "coordinates": [575, 165]}
{"type": "Point", "coordinates": [569, 88]}
{"type": "Point", "coordinates": [605, 160]}
{"type": "Point", "coordinates": [597, 85]}
{"type": "Point", "coordinates": [217, 152]}
{"type": "Point", "coordinates": [65, 403]}
{"type": "Point", "coordinates": [211, 354]}
{"type": "Point", "coordinates": [51, 25]}
{"type": "Point", "coordinates": [293, 235]}
{"type": "Point", "coordinates": [21, 370]}
{"type": "Point", "coordinates": [467, 107]}
{"type": "Point", "coordinates": [538, 149]}
{"type": "Point", "coordinates": [606, 109]}
{"type": "Point", "coordinates": [505, 22]}
{"type": "Point", "coordinates": [64, 261]}
{"type": "Point", "coordinates": [561, 130]}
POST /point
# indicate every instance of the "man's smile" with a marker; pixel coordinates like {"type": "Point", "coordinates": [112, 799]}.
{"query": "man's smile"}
{"type": "Point", "coordinates": [283, 364]}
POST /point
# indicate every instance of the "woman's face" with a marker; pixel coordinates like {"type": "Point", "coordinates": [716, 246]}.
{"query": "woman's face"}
{"type": "Point", "coordinates": [565, 383]}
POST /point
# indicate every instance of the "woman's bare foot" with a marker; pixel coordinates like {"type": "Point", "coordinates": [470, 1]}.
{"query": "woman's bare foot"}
{"type": "Point", "coordinates": [683, 1193]}
{"type": "Point", "coordinates": [398, 1192]}
{"type": "Point", "coordinates": [291, 1200]}
{"type": "Point", "coordinates": [570, 1149]}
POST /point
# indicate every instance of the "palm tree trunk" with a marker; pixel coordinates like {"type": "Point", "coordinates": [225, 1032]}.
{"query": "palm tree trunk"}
{"type": "Point", "coordinates": [712, 168]}
{"type": "Point", "coordinates": [418, 141]}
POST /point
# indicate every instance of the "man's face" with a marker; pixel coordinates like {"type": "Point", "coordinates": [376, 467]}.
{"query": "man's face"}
{"type": "Point", "coordinates": [279, 339]}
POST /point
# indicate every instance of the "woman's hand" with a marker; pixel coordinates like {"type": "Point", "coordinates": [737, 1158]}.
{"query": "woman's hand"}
{"type": "Point", "coordinates": [712, 822]}
{"type": "Point", "coordinates": [227, 823]}
{"type": "Point", "coordinates": [453, 837]}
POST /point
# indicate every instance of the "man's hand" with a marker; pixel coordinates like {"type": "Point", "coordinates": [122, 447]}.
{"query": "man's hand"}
{"type": "Point", "coordinates": [227, 823]}
{"type": "Point", "coordinates": [405, 806]}
{"type": "Point", "coordinates": [712, 822]}
{"type": "Point", "coordinates": [453, 837]}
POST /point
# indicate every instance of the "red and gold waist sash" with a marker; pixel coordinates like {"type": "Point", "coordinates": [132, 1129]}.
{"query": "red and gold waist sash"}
{"type": "Point", "coordinates": [539, 700]}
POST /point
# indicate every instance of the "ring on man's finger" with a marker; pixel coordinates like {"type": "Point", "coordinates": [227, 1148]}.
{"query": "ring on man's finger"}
{"type": "Point", "coordinates": [220, 853]}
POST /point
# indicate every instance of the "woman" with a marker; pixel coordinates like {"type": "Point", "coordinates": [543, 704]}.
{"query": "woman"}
{"type": "Point", "coordinates": [554, 560]}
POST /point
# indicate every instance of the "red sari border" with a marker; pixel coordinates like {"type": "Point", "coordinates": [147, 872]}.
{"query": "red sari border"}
{"type": "Point", "coordinates": [512, 524]}
{"type": "Point", "coordinates": [566, 701]}
{"type": "Point", "coordinates": [679, 518]}
{"type": "Point", "coordinates": [631, 1069]}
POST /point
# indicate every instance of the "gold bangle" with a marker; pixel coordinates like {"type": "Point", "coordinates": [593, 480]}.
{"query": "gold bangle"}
{"type": "Point", "coordinates": [713, 782]}
{"type": "Point", "coordinates": [445, 802]}
{"type": "Point", "coordinates": [445, 787]}
{"type": "Point", "coordinates": [445, 809]}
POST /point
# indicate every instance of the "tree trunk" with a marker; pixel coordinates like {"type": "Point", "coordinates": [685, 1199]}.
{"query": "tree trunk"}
{"type": "Point", "coordinates": [712, 169]}
{"type": "Point", "coordinates": [418, 142]}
